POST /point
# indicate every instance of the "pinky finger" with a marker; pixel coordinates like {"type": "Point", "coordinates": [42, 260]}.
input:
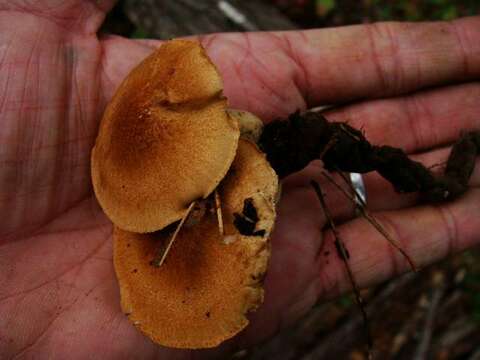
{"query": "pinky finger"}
{"type": "Point", "coordinates": [426, 233]}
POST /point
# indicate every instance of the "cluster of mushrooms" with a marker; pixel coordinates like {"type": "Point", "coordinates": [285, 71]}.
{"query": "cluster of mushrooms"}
{"type": "Point", "coordinates": [171, 161]}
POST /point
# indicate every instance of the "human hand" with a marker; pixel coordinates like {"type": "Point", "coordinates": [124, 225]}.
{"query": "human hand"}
{"type": "Point", "coordinates": [58, 293]}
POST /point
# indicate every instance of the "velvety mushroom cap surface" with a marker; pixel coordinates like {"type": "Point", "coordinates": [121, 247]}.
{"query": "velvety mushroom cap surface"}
{"type": "Point", "coordinates": [200, 296]}
{"type": "Point", "coordinates": [165, 139]}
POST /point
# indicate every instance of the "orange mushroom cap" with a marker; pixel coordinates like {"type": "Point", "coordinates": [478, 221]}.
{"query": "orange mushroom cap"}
{"type": "Point", "coordinates": [165, 139]}
{"type": "Point", "coordinates": [200, 296]}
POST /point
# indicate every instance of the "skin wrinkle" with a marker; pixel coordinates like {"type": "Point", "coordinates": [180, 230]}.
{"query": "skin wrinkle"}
{"type": "Point", "coordinates": [397, 64]}
{"type": "Point", "coordinates": [68, 55]}
{"type": "Point", "coordinates": [31, 228]}
{"type": "Point", "coordinates": [372, 32]}
{"type": "Point", "coordinates": [38, 125]}
{"type": "Point", "coordinates": [237, 66]}
{"type": "Point", "coordinates": [117, 319]}
{"type": "Point", "coordinates": [28, 104]}
{"type": "Point", "coordinates": [49, 186]}
{"type": "Point", "coordinates": [251, 63]}
{"type": "Point", "coordinates": [300, 77]}
{"type": "Point", "coordinates": [451, 228]}
{"type": "Point", "coordinates": [94, 213]}
{"type": "Point", "coordinates": [418, 79]}
{"type": "Point", "coordinates": [55, 318]}
{"type": "Point", "coordinates": [30, 345]}
{"type": "Point", "coordinates": [113, 325]}
{"type": "Point", "coordinates": [4, 68]}
{"type": "Point", "coordinates": [263, 83]}
{"type": "Point", "coordinates": [463, 50]}
{"type": "Point", "coordinates": [47, 148]}
{"type": "Point", "coordinates": [61, 171]}
{"type": "Point", "coordinates": [77, 266]}
{"type": "Point", "coordinates": [43, 190]}
{"type": "Point", "coordinates": [263, 80]}
{"type": "Point", "coordinates": [57, 22]}
{"type": "Point", "coordinates": [20, 151]}
{"type": "Point", "coordinates": [56, 15]}
{"type": "Point", "coordinates": [243, 67]}
{"type": "Point", "coordinates": [414, 107]}
{"type": "Point", "coordinates": [72, 230]}
{"type": "Point", "coordinates": [85, 18]}
{"type": "Point", "coordinates": [65, 309]}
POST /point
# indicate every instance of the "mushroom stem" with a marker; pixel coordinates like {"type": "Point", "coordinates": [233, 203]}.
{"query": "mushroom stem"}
{"type": "Point", "coordinates": [218, 209]}
{"type": "Point", "coordinates": [162, 254]}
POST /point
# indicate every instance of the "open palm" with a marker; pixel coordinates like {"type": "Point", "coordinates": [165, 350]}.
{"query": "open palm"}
{"type": "Point", "coordinates": [58, 292]}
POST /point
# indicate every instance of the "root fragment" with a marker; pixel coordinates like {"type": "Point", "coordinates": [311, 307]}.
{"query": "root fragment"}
{"type": "Point", "coordinates": [292, 144]}
{"type": "Point", "coordinates": [344, 255]}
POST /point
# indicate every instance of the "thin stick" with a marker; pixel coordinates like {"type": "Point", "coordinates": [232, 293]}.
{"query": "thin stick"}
{"type": "Point", "coordinates": [218, 208]}
{"type": "Point", "coordinates": [343, 253]}
{"type": "Point", "coordinates": [161, 256]}
{"type": "Point", "coordinates": [362, 207]}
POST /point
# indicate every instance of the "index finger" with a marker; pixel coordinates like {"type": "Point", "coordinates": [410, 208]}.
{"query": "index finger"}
{"type": "Point", "coordinates": [273, 74]}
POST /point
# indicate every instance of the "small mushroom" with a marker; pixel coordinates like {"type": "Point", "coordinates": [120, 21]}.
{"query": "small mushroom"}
{"type": "Point", "coordinates": [200, 296]}
{"type": "Point", "coordinates": [165, 139]}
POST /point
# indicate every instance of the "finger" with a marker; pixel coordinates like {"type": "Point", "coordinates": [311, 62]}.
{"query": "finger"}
{"type": "Point", "coordinates": [341, 64]}
{"type": "Point", "coordinates": [274, 74]}
{"type": "Point", "coordinates": [427, 234]}
{"type": "Point", "coordinates": [418, 121]}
